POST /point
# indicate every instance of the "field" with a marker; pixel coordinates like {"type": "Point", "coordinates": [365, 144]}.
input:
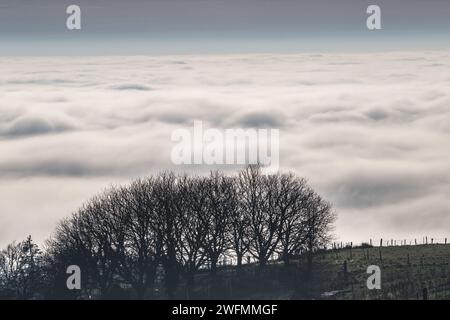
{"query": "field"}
{"type": "Point", "coordinates": [407, 272]}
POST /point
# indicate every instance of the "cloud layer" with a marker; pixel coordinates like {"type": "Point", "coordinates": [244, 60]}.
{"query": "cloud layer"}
{"type": "Point", "coordinates": [370, 131]}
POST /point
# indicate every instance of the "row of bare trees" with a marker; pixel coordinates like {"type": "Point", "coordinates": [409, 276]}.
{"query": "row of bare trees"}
{"type": "Point", "coordinates": [178, 226]}
{"type": "Point", "coordinates": [20, 266]}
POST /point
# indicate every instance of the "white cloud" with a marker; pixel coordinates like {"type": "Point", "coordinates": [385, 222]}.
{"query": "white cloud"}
{"type": "Point", "coordinates": [370, 131]}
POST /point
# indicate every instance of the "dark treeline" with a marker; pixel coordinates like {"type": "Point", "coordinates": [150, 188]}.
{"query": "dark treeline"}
{"type": "Point", "coordinates": [168, 229]}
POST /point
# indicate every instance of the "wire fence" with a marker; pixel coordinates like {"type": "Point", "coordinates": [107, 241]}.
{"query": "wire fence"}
{"type": "Point", "coordinates": [418, 271]}
{"type": "Point", "coordinates": [388, 242]}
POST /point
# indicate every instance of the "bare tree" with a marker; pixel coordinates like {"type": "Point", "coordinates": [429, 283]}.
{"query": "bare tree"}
{"type": "Point", "coordinates": [11, 265]}
{"type": "Point", "coordinates": [168, 228]}
{"type": "Point", "coordinates": [20, 270]}
{"type": "Point", "coordinates": [181, 223]}
{"type": "Point", "coordinates": [86, 240]}
{"type": "Point", "coordinates": [66, 248]}
{"type": "Point", "coordinates": [191, 215]}
{"type": "Point", "coordinates": [96, 232]}
{"type": "Point", "coordinates": [293, 194]}
{"type": "Point", "coordinates": [318, 223]}
{"type": "Point", "coordinates": [221, 204]}
{"type": "Point", "coordinates": [259, 200]}
{"type": "Point", "coordinates": [239, 224]}
{"type": "Point", "coordinates": [133, 210]}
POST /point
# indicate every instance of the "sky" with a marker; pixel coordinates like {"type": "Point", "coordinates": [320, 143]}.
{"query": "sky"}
{"type": "Point", "coordinates": [363, 115]}
{"type": "Point", "coordinates": [117, 27]}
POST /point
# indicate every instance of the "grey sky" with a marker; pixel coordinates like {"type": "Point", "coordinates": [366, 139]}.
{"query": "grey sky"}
{"type": "Point", "coordinates": [199, 26]}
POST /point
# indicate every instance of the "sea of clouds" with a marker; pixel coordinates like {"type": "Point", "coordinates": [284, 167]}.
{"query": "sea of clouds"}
{"type": "Point", "coordinates": [371, 132]}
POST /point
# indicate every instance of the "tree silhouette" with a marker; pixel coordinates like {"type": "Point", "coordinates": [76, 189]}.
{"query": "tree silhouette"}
{"type": "Point", "coordinates": [170, 228]}
{"type": "Point", "coordinates": [20, 270]}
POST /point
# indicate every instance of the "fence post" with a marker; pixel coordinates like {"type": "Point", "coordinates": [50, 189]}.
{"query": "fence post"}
{"type": "Point", "coordinates": [426, 240]}
{"type": "Point", "coordinates": [445, 240]}
{"type": "Point", "coordinates": [351, 251]}
{"type": "Point", "coordinates": [370, 242]}
{"type": "Point", "coordinates": [415, 242]}
{"type": "Point", "coordinates": [381, 242]}
{"type": "Point", "coordinates": [381, 258]}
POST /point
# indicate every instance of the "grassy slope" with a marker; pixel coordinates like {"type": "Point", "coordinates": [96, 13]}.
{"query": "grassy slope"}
{"type": "Point", "coordinates": [428, 267]}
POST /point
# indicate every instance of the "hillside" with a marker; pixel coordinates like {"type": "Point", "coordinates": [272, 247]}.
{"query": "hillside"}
{"type": "Point", "coordinates": [405, 272]}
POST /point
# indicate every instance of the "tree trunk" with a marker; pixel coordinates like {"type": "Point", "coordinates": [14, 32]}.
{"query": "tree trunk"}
{"type": "Point", "coordinates": [286, 257]}
{"type": "Point", "coordinates": [239, 260]}
{"type": "Point", "coordinates": [214, 265]}
{"type": "Point", "coordinates": [262, 261]}
{"type": "Point", "coordinates": [171, 277]}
